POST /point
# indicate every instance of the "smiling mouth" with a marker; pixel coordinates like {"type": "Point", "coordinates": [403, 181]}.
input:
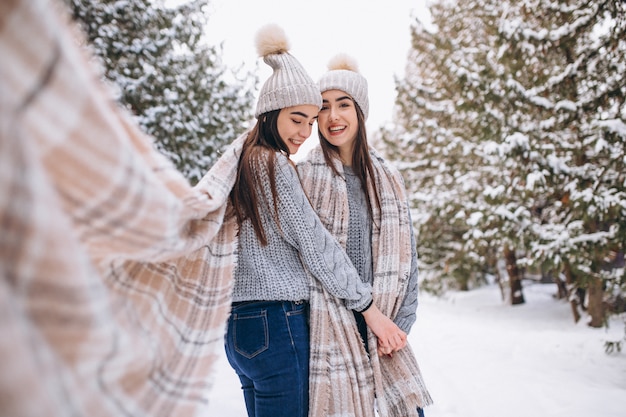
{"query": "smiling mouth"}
{"type": "Point", "coordinates": [336, 129]}
{"type": "Point", "coordinates": [296, 142]}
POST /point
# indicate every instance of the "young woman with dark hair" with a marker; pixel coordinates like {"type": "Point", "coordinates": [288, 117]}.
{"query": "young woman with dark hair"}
{"type": "Point", "coordinates": [362, 201]}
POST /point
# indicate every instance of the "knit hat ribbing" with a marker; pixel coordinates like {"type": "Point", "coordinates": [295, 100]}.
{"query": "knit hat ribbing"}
{"type": "Point", "coordinates": [289, 85]}
{"type": "Point", "coordinates": [344, 75]}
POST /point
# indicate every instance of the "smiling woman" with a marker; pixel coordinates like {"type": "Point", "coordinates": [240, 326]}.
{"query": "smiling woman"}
{"type": "Point", "coordinates": [295, 125]}
{"type": "Point", "coordinates": [361, 200]}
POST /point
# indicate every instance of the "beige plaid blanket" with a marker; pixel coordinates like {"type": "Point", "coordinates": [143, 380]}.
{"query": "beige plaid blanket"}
{"type": "Point", "coordinates": [115, 273]}
{"type": "Point", "coordinates": [344, 382]}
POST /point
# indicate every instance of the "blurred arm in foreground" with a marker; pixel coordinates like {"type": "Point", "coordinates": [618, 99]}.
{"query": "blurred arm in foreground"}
{"type": "Point", "coordinates": [115, 273]}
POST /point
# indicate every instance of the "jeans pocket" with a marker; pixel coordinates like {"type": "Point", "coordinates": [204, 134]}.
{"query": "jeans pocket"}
{"type": "Point", "coordinates": [299, 309]}
{"type": "Point", "coordinates": [250, 333]}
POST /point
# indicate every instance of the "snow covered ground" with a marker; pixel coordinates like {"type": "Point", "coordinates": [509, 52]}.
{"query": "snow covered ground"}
{"type": "Point", "coordinates": [482, 358]}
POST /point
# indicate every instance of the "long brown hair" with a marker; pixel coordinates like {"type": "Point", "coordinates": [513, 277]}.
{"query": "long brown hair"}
{"type": "Point", "coordinates": [259, 149]}
{"type": "Point", "coordinates": [361, 159]}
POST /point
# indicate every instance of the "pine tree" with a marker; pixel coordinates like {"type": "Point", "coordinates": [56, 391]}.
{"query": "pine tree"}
{"type": "Point", "coordinates": [568, 87]}
{"type": "Point", "coordinates": [168, 76]}
{"type": "Point", "coordinates": [512, 135]}
{"type": "Point", "coordinates": [447, 111]}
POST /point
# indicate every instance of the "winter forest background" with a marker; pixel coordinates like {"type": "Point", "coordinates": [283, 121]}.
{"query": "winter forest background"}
{"type": "Point", "coordinates": [509, 129]}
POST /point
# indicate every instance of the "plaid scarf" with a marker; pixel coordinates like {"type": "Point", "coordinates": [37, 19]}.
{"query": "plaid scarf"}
{"type": "Point", "coordinates": [344, 381]}
{"type": "Point", "coordinates": [115, 274]}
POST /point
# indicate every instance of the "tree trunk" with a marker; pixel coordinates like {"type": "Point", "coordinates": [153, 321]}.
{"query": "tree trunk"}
{"type": "Point", "coordinates": [515, 279]}
{"type": "Point", "coordinates": [500, 280]}
{"type": "Point", "coordinates": [570, 281]}
{"type": "Point", "coordinates": [561, 288]}
{"type": "Point", "coordinates": [596, 308]}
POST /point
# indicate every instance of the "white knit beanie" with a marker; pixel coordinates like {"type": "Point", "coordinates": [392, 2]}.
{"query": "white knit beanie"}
{"type": "Point", "coordinates": [289, 85]}
{"type": "Point", "coordinates": [344, 75]}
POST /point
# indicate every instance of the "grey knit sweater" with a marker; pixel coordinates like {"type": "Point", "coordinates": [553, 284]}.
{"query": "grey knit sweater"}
{"type": "Point", "coordinates": [277, 271]}
{"type": "Point", "coordinates": [359, 249]}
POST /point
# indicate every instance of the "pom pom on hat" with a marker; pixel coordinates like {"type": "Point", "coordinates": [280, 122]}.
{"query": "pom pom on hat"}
{"type": "Point", "coordinates": [271, 39]}
{"type": "Point", "coordinates": [289, 85]}
{"type": "Point", "coordinates": [344, 75]}
{"type": "Point", "coordinates": [343, 62]}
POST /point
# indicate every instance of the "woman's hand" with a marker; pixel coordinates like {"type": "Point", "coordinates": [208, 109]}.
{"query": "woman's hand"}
{"type": "Point", "coordinates": [390, 337]}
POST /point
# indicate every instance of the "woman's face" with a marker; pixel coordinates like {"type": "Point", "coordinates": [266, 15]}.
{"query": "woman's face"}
{"type": "Point", "coordinates": [338, 121]}
{"type": "Point", "coordinates": [295, 124]}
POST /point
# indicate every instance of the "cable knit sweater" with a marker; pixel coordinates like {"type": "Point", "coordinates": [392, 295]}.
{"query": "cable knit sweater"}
{"type": "Point", "coordinates": [359, 249]}
{"type": "Point", "coordinates": [277, 271]}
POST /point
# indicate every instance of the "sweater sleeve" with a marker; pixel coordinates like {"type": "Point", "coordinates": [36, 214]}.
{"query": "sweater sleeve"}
{"type": "Point", "coordinates": [407, 313]}
{"type": "Point", "coordinates": [320, 252]}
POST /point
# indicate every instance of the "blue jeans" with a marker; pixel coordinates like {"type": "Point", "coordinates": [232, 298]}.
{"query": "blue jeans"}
{"type": "Point", "coordinates": [267, 344]}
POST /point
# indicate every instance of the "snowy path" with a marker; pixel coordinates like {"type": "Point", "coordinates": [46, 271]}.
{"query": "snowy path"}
{"type": "Point", "coordinates": [481, 358]}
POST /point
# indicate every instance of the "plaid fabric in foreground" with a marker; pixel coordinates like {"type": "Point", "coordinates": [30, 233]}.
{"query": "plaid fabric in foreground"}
{"type": "Point", "coordinates": [115, 273]}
